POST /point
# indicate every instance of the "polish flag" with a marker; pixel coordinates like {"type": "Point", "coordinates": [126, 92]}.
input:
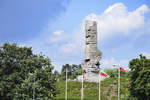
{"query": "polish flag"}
{"type": "Point", "coordinates": [103, 74]}
{"type": "Point", "coordinates": [66, 73]}
{"type": "Point", "coordinates": [122, 69]}
{"type": "Point", "coordinates": [84, 71]}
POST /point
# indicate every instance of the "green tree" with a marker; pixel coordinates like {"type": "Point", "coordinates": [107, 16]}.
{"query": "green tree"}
{"type": "Point", "coordinates": [73, 71]}
{"type": "Point", "coordinates": [68, 68]}
{"type": "Point", "coordinates": [57, 75]}
{"type": "Point", "coordinates": [76, 70]}
{"type": "Point", "coordinates": [16, 66]}
{"type": "Point", "coordinates": [140, 78]}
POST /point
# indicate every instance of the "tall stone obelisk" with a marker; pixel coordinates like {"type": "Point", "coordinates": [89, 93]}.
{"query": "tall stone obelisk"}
{"type": "Point", "coordinates": [92, 54]}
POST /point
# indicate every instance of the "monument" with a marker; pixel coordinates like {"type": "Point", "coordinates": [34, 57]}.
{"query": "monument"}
{"type": "Point", "coordinates": [92, 54]}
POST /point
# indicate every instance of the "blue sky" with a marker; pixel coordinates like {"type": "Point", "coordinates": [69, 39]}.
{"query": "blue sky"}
{"type": "Point", "coordinates": [56, 28]}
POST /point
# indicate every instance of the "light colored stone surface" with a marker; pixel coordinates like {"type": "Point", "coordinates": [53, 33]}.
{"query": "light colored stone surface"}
{"type": "Point", "coordinates": [91, 50]}
{"type": "Point", "coordinates": [92, 54]}
{"type": "Point", "coordinates": [90, 78]}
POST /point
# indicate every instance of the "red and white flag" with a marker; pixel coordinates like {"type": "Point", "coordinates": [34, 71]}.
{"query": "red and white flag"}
{"type": "Point", "coordinates": [66, 73]}
{"type": "Point", "coordinates": [122, 69]}
{"type": "Point", "coordinates": [84, 71]}
{"type": "Point", "coordinates": [103, 74]}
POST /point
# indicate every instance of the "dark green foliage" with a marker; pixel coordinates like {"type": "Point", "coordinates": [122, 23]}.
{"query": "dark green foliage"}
{"type": "Point", "coordinates": [18, 69]}
{"type": "Point", "coordinates": [69, 69]}
{"type": "Point", "coordinates": [76, 70]}
{"type": "Point", "coordinates": [140, 78]}
{"type": "Point", "coordinates": [73, 71]}
{"type": "Point", "coordinates": [57, 75]}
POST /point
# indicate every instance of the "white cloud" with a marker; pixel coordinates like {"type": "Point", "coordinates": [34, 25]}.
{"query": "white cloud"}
{"type": "Point", "coordinates": [69, 48]}
{"type": "Point", "coordinates": [147, 54]}
{"type": "Point", "coordinates": [108, 63]}
{"type": "Point", "coordinates": [115, 20]}
{"type": "Point", "coordinates": [58, 36]}
{"type": "Point", "coordinates": [74, 46]}
{"type": "Point", "coordinates": [58, 32]}
{"type": "Point", "coordinates": [118, 20]}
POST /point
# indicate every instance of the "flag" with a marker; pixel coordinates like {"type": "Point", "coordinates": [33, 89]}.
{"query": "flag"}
{"type": "Point", "coordinates": [66, 73]}
{"type": "Point", "coordinates": [103, 74]}
{"type": "Point", "coordinates": [122, 69]}
{"type": "Point", "coordinates": [84, 71]}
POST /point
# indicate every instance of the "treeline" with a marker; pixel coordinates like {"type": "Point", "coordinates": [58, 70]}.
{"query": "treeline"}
{"type": "Point", "coordinates": [26, 76]}
{"type": "Point", "coordinates": [72, 71]}
{"type": "Point", "coordinates": [137, 79]}
{"type": "Point", "coordinates": [139, 76]}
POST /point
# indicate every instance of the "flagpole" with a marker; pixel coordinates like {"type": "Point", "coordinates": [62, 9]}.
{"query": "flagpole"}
{"type": "Point", "coordinates": [82, 87]}
{"type": "Point", "coordinates": [118, 82]}
{"type": "Point", "coordinates": [99, 87]}
{"type": "Point", "coordinates": [118, 65]}
{"type": "Point", "coordinates": [66, 85]}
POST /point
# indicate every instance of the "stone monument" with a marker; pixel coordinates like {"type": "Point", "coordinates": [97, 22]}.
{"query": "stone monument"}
{"type": "Point", "coordinates": [92, 54]}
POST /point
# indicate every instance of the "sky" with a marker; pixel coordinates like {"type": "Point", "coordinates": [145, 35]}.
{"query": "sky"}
{"type": "Point", "coordinates": [56, 28]}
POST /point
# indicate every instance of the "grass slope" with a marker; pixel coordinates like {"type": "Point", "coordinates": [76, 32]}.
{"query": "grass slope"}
{"type": "Point", "coordinates": [108, 90]}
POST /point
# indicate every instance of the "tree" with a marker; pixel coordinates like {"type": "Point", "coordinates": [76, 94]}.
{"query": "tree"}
{"type": "Point", "coordinates": [73, 71]}
{"type": "Point", "coordinates": [16, 66]}
{"type": "Point", "coordinates": [66, 67]}
{"type": "Point", "coordinates": [76, 70]}
{"type": "Point", "coordinates": [140, 78]}
{"type": "Point", "coordinates": [57, 75]}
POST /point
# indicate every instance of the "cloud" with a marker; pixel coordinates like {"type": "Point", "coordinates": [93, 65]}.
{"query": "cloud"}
{"type": "Point", "coordinates": [58, 32]}
{"type": "Point", "coordinates": [74, 46]}
{"type": "Point", "coordinates": [63, 47]}
{"type": "Point", "coordinates": [57, 36]}
{"type": "Point", "coordinates": [108, 63]}
{"type": "Point", "coordinates": [117, 20]}
{"type": "Point", "coordinates": [147, 54]}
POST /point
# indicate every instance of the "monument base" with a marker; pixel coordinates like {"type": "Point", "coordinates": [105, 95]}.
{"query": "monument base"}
{"type": "Point", "coordinates": [90, 77]}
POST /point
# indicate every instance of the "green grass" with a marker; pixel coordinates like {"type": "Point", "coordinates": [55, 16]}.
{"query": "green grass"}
{"type": "Point", "coordinates": [108, 90]}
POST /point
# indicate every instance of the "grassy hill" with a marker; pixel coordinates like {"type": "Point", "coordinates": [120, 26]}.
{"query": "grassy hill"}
{"type": "Point", "coordinates": [108, 90]}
